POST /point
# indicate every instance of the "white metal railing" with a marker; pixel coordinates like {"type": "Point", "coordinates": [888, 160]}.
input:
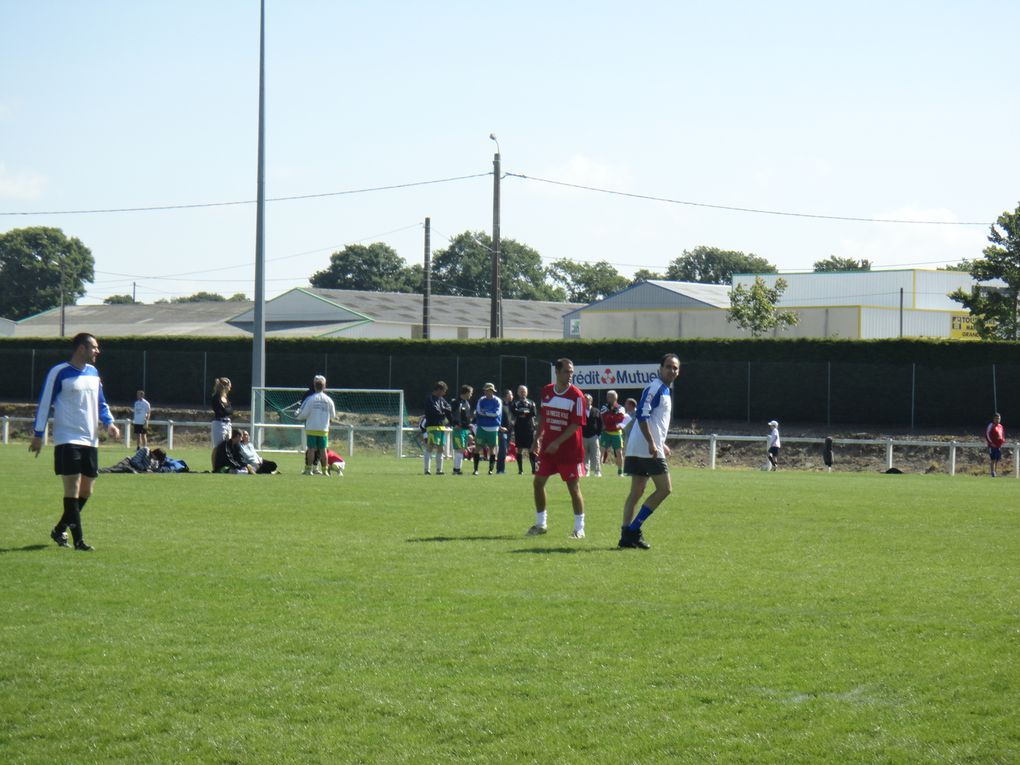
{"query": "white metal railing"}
{"type": "Point", "coordinates": [711, 440]}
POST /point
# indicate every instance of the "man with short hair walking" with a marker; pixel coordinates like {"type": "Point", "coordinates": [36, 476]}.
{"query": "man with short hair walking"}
{"type": "Point", "coordinates": [74, 391]}
{"type": "Point", "coordinates": [647, 451]}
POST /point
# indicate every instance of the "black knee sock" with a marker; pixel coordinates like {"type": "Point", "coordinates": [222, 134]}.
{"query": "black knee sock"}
{"type": "Point", "coordinates": [531, 458]}
{"type": "Point", "coordinates": [492, 463]}
{"type": "Point", "coordinates": [520, 465]}
{"type": "Point", "coordinates": [71, 518]}
{"type": "Point", "coordinates": [478, 458]}
{"type": "Point", "coordinates": [81, 503]}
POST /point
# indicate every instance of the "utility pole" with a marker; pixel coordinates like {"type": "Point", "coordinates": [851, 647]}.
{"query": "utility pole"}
{"type": "Point", "coordinates": [62, 299]}
{"type": "Point", "coordinates": [496, 311]}
{"type": "Point", "coordinates": [258, 351]}
{"type": "Point", "coordinates": [427, 291]}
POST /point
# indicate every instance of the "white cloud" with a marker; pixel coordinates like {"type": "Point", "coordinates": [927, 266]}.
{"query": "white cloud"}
{"type": "Point", "coordinates": [23, 185]}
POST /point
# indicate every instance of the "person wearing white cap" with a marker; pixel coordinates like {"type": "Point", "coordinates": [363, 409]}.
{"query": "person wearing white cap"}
{"type": "Point", "coordinates": [488, 420]}
{"type": "Point", "coordinates": [774, 445]}
{"type": "Point", "coordinates": [317, 411]}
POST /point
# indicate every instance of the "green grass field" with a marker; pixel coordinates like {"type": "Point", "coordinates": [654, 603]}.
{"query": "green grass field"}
{"type": "Point", "coordinates": [389, 617]}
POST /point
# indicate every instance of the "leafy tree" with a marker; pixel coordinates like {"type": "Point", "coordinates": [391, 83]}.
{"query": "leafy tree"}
{"type": "Point", "coordinates": [711, 265]}
{"type": "Point", "coordinates": [238, 297]}
{"type": "Point", "coordinates": [836, 263]}
{"type": "Point", "coordinates": [755, 308]}
{"type": "Point", "coordinates": [33, 264]}
{"type": "Point", "coordinates": [119, 300]}
{"type": "Point", "coordinates": [375, 268]}
{"type": "Point", "coordinates": [200, 297]}
{"type": "Point", "coordinates": [586, 282]}
{"type": "Point", "coordinates": [995, 308]}
{"type": "Point", "coordinates": [644, 275]}
{"type": "Point", "coordinates": [963, 265]}
{"type": "Point", "coordinates": [465, 268]}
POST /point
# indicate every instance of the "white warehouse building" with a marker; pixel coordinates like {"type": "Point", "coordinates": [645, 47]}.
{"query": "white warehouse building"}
{"type": "Point", "coordinates": [853, 304]}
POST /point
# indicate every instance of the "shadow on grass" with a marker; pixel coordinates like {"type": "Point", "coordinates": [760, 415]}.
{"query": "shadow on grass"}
{"type": "Point", "coordinates": [26, 548]}
{"type": "Point", "coordinates": [563, 550]}
{"type": "Point", "coordinates": [463, 539]}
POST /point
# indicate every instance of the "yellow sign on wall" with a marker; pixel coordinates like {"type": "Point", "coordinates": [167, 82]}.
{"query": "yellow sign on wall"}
{"type": "Point", "coordinates": [961, 327]}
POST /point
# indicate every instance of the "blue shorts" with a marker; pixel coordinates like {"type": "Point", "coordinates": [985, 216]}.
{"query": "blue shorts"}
{"type": "Point", "coordinates": [995, 452]}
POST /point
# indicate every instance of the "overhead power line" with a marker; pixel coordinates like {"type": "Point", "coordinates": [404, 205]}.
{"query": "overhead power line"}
{"type": "Point", "coordinates": [745, 209]}
{"type": "Point", "coordinates": [156, 208]}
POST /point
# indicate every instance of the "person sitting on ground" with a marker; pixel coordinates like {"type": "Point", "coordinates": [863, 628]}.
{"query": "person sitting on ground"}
{"type": "Point", "coordinates": [252, 459]}
{"type": "Point", "coordinates": [227, 456]}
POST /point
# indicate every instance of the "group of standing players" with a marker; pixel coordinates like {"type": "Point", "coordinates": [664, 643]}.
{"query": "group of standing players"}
{"type": "Point", "coordinates": [555, 445]}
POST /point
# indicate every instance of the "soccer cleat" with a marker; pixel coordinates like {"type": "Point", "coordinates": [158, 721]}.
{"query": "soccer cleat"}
{"type": "Point", "coordinates": [306, 471]}
{"type": "Point", "coordinates": [440, 472]}
{"type": "Point", "coordinates": [83, 546]}
{"type": "Point", "coordinates": [60, 537]}
{"type": "Point", "coordinates": [457, 471]}
{"type": "Point", "coordinates": [630, 539]}
{"type": "Point", "coordinates": [427, 473]}
{"type": "Point", "coordinates": [490, 472]}
{"type": "Point", "coordinates": [536, 531]}
{"type": "Point", "coordinates": [577, 534]}
{"type": "Point", "coordinates": [475, 473]}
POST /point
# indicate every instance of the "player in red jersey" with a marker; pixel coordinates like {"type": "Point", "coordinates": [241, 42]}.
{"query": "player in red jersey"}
{"type": "Point", "coordinates": [563, 412]}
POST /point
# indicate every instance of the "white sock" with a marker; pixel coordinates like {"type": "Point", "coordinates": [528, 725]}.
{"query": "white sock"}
{"type": "Point", "coordinates": [439, 462]}
{"type": "Point", "coordinates": [540, 519]}
{"type": "Point", "coordinates": [458, 459]}
{"type": "Point", "coordinates": [579, 522]}
{"type": "Point", "coordinates": [428, 457]}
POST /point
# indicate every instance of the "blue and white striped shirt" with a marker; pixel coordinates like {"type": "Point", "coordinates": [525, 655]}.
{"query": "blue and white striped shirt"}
{"type": "Point", "coordinates": [654, 407]}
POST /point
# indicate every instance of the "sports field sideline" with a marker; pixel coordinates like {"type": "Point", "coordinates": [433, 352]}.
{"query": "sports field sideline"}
{"type": "Point", "coordinates": [392, 617]}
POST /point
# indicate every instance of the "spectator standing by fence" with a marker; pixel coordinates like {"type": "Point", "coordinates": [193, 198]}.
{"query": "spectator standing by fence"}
{"type": "Point", "coordinates": [463, 412]}
{"type": "Point", "coordinates": [74, 391]}
{"type": "Point", "coordinates": [317, 411]}
{"type": "Point", "coordinates": [995, 437]}
{"type": "Point", "coordinates": [590, 433]}
{"type": "Point", "coordinates": [140, 419]}
{"type": "Point", "coordinates": [774, 446]}
{"type": "Point", "coordinates": [222, 410]}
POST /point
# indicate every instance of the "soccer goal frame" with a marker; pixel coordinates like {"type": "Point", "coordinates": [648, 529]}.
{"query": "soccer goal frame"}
{"type": "Point", "coordinates": [379, 412]}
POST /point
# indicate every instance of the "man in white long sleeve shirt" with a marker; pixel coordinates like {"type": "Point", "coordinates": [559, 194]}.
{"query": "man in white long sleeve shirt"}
{"type": "Point", "coordinates": [74, 392]}
{"type": "Point", "coordinates": [317, 411]}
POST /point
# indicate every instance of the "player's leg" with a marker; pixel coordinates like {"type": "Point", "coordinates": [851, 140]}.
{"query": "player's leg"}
{"type": "Point", "coordinates": [538, 487]}
{"type": "Point", "coordinates": [439, 445]}
{"type": "Point", "coordinates": [637, 490]}
{"type": "Point", "coordinates": [577, 503]}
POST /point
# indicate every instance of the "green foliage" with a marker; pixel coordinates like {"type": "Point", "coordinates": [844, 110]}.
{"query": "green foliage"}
{"type": "Point", "coordinates": [963, 265]}
{"type": "Point", "coordinates": [374, 267]}
{"type": "Point", "coordinates": [238, 297]}
{"type": "Point", "coordinates": [711, 265]}
{"type": "Point", "coordinates": [586, 282]}
{"type": "Point", "coordinates": [387, 617]}
{"type": "Point", "coordinates": [119, 300]}
{"type": "Point", "coordinates": [645, 275]}
{"type": "Point", "coordinates": [995, 309]}
{"type": "Point", "coordinates": [465, 268]}
{"type": "Point", "coordinates": [836, 263]}
{"type": "Point", "coordinates": [34, 264]}
{"type": "Point", "coordinates": [755, 309]}
{"type": "Point", "coordinates": [201, 297]}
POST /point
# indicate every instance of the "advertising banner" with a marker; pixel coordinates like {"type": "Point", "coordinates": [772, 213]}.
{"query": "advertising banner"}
{"type": "Point", "coordinates": [608, 376]}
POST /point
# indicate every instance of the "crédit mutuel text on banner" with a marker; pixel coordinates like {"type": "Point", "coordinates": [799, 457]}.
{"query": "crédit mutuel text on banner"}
{"type": "Point", "coordinates": [607, 376]}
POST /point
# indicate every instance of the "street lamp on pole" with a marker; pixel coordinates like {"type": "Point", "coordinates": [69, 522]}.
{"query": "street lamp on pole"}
{"type": "Point", "coordinates": [496, 309]}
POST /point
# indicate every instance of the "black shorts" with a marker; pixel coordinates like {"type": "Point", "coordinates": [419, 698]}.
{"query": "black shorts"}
{"type": "Point", "coordinates": [645, 466]}
{"type": "Point", "coordinates": [524, 437]}
{"type": "Point", "coordinates": [995, 452]}
{"type": "Point", "coordinates": [774, 451]}
{"type": "Point", "coordinates": [75, 459]}
{"type": "Point", "coordinates": [140, 428]}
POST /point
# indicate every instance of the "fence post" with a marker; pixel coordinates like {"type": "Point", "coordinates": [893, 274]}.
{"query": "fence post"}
{"type": "Point", "coordinates": [127, 433]}
{"type": "Point", "coordinates": [7, 428]}
{"type": "Point", "coordinates": [711, 452]}
{"type": "Point", "coordinates": [888, 454]}
{"type": "Point", "coordinates": [1016, 461]}
{"type": "Point", "coordinates": [952, 458]}
{"type": "Point", "coordinates": [350, 440]}
{"type": "Point", "coordinates": [170, 435]}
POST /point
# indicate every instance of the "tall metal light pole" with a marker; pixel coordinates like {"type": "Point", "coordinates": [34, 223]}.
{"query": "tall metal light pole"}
{"type": "Point", "coordinates": [258, 352]}
{"type": "Point", "coordinates": [496, 311]}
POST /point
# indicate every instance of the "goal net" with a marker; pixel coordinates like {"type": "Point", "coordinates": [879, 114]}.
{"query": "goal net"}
{"type": "Point", "coordinates": [365, 419]}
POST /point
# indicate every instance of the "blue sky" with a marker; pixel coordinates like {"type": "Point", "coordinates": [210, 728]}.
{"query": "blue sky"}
{"type": "Point", "coordinates": [903, 110]}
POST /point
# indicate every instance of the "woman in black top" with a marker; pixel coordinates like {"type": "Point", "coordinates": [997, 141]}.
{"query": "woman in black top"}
{"type": "Point", "coordinates": [221, 412]}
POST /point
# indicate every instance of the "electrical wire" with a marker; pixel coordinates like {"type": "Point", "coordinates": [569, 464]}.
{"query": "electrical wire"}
{"type": "Point", "coordinates": [745, 209]}
{"type": "Point", "coordinates": [198, 205]}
